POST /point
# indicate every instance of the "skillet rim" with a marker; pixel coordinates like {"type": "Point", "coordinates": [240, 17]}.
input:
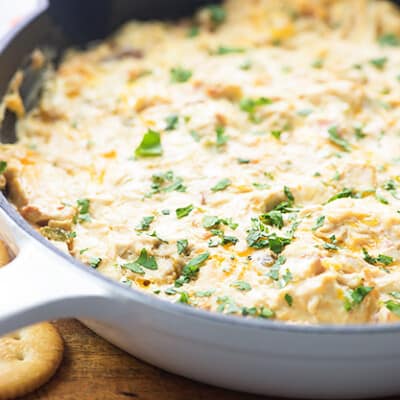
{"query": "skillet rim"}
{"type": "Point", "coordinates": [167, 306]}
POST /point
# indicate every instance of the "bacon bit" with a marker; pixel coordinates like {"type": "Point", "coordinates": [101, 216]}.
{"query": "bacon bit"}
{"type": "Point", "coordinates": [203, 199]}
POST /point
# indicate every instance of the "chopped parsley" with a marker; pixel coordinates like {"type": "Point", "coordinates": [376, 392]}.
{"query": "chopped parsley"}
{"type": "Point", "coordinates": [82, 213]}
{"type": "Point", "coordinates": [184, 211]}
{"type": "Point", "coordinates": [337, 139]}
{"type": "Point", "coordinates": [182, 246]}
{"type": "Point", "coordinates": [246, 65]}
{"type": "Point", "coordinates": [243, 161]}
{"type": "Point", "coordinates": [94, 262]}
{"type": "Point", "coordinates": [261, 312]}
{"type": "Point", "coordinates": [332, 245]}
{"type": "Point", "coordinates": [259, 238]}
{"type": "Point", "coordinates": [319, 223]}
{"type": "Point", "coordinates": [318, 64]}
{"type": "Point", "coordinates": [196, 137]}
{"type": "Point", "coordinates": [275, 269]}
{"type": "Point", "coordinates": [381, 199]}
{"type": "Point", "coordinates": [273, 218]}
{"type": "Point", "coordinates": [359, 133]}
{"type": "Point", "coordinates": [345, 193]}
{"type": "Point", "coordinates": [261, 186]}
{"type": "Point", "coordinates": [288, 194]}
{"type": "Point", "coordinates": [3, 166]}
{"type": "Point", "coordinates": [389, 39]}
{"type": "Point", "coordinates": [355, 297]}
{"type": "Point", "coordinates": [147, 261]}
{"type": "Point", "coordinates": [150, 145]}
{"type": "Point", "coordinates": [205, 293]}
{"type": "Point", "coordinates": [134, 267]}
{"type": "Point", "coordinates": [221, 138]}
{"type": "Point", "coordinates": [379, 63]}
{"type": "Point", "coordinates": [289, 299]}
{"type": "Point", "coordinates": [221, 185]}
{"type": "Point", "coordinates": [166, 182]}
{"type": "Point", "coordinates": [393, 306]}
{"type": "Point", "coordinates": [172, 122]}
{"type": "Point", "coordinates": [214, 222]}
{"type": "Point", "coordinates": [250, 106]}
{"type": "Point", "coordinates": [223, 50]}
{"type": "Point", "coordinates": [217, 14]}
{"type": "Point", "coordinates": [381, 259]}
{"type": "Point", "coordinates": [391, 186]}
{"type": "Point", "coordinates": [305, 112]}
{"type": "Point", "coordinates": [144, 224]}
{"type": "Point", "coordinates": [191, 269]}
{"type": "Point", "coordinates": [242, 285]}
{"type": "Point", "coordinates": [227, 305]}
{"type": "Point", "coordinates": [180, 75]}
{"type": "Point", "coordinates": [193, 31]}
{"type": "Point", "coordinates": [276, 134]}
{"type": "Point", "coordinates": [184, 298]}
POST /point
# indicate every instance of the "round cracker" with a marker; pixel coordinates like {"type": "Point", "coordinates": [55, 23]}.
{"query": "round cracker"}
{"type": "Point", "coordinates": [29, 357]}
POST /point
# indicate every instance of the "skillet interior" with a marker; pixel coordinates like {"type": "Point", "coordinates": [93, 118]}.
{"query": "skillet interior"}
{"type": "Point", "coordinates": [48, 32]}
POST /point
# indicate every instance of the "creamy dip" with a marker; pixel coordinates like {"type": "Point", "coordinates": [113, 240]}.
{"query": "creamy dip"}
{"type": "Point", "coordinates": [245, 161]}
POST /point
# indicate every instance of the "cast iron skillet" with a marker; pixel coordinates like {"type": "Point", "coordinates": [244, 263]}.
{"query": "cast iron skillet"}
{"type": "Point", "coordinates": [265, 357]}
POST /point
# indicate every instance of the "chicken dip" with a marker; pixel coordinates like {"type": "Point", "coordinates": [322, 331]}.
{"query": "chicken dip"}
{"type": "Point", "coordinates": [245, 161]}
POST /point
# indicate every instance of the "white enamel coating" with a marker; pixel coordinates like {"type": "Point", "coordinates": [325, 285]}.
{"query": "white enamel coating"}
{"type": "Point", "coordinates": [270, 359]}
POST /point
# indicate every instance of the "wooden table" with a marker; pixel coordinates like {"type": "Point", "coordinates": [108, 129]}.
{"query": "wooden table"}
{"type": "Point", "coordinates": [93, 369]}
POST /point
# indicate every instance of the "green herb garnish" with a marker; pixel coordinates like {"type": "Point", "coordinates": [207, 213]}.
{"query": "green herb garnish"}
{"type": "Point", "coordinates": [180, 75]}
{"type": "Point", "coordinates": [223, 50]}
{"type": "Point", "coordinates": [150, 145]}
{"type": "Point", "coordinates": [393, 306]}
{"type": "Point", "coordinates": [147, 261]}
{"type": "Point", "coordinates": [184, 211]}
{"type": "Point", "coordinates": [250, 106]}
{"type": "Point", "coordinates": [345, 193]}
{"type": "Point", "coordinates": [337, 139]}
{"type": "Point", "coordinates": [82, 214]}
{"type": "Point", "coordinates": [354, 297]}
{"type": "Point", "coordinates": [182, 246]}
{"type": "Point", "coordinates": [191, 269]}
{"type": "Point", "coordinates": [379, 63]}
{"type": "Point", "coordinates": [172, 122]}
{"type": "Point", "coordinates": [94, 262]}
{"type": "Point", "coordinates": [289, 299]}
{"type": "Point", "coordinates": [3, 166]}
{"type": "Point", "coordinates": [319, 222]}
{"type": "Point", "coordinates": [144, 224]}
{"type": "Point", "coordinates": [242, 285]}
{"type": "Point", "coordinates": [389, 39]}
{"type": "Point", "coordinates": [221, 137]}
{"type": "Point", "coordinates": [217, 14]}
{"type": "Point", "coordinates": [221, 185]}
{"type": "Point", "coordinates": [381, 259]}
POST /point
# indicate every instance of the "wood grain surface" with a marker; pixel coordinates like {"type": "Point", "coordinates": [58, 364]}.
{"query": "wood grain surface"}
{"type": "Point", "coordinates": [93, 369]}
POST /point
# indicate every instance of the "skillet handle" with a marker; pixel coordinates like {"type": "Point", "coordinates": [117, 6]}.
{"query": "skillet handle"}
{"type": "Point", "coordinates": [40, 285]}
